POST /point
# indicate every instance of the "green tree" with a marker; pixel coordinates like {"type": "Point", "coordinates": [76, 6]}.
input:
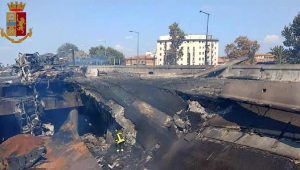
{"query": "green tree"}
{"type": "Point", "coordinates": [98, 51]}
{"type": "Point", "coordinates": [232, 51]}
{"type": "Point", "coordinates": [291, 34]}
{"type": "Point", "coordinates": [242, 47]}
{"type": "Point", "coordinates": [280, 54]}
{"type": "Point", "coordinates": [65, 50]}
{"type": "Point", "coordinates": [110, 55]}
{"type": "Point", "coordinates": [81, 54]}
{"type": "Point", "coordinates": [114, 55]}
{"type": "Point", "coordinates": [175, 52]}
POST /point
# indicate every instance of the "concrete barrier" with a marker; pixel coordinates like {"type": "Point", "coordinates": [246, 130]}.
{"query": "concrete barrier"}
{"type": "Point", "coordinates": [155, 70]}
{"type": "Point", "coordinates": [264, 72]}
{"type": "Point", "coordinates": [281, 95]}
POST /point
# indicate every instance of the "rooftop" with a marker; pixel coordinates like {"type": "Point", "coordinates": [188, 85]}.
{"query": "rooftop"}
{"type": "Point", "coordinates": [148, 57]}
{"type": "Point", "coordinates": [263, 54]}
{"type": "Point", "coordinates": [189, 37]}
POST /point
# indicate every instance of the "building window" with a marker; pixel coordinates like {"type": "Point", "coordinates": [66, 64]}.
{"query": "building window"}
{"type": "Point", "coordinates": [159, 54]}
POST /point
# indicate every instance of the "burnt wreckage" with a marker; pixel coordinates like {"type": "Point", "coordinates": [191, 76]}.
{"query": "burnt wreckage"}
{"type": "Point", "coordinates": [232, 116]}
{"type": "Point", "coordinates": [34, 69]}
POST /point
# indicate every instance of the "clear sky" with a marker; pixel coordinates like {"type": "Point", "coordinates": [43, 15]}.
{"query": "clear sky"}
{"type": "Point", "coordinates": [88, 23]}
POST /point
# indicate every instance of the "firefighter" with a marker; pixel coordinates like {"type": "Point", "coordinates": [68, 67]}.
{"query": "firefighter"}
{"type": "Point", "coordinates": [120, 140]}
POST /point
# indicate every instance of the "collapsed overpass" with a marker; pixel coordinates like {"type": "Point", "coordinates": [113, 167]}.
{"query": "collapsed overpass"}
{"type": "Point", "coordinates": [189, 118]}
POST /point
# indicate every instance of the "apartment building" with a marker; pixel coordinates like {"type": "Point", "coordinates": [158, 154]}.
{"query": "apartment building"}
{"type": "Point", "coordinates": [193, 50]}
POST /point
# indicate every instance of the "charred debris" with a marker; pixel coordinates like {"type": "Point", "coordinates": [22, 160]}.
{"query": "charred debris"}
{"type": "Point", "coordinates": [53, 115]}
{"type": "Point", "coordinates": [41, 117]}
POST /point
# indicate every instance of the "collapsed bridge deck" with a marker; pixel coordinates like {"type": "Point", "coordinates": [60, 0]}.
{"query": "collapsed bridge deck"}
{"type": "Point", "coordinates": [179, 122]}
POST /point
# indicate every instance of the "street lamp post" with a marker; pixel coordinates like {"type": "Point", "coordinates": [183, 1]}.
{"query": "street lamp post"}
{"type": "Point", "coordinates": [138, 42]}
{"type": "Point", "coordinates": [206, 48]}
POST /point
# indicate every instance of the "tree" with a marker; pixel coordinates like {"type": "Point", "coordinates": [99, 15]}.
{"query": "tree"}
{"type": "Point", "coordinates": [98, 51]}
{"type": "Point", "coordinates": [114, 56]}
{"type": "Point", "coordinates": [242, 47]}
{"type": "Point", "coordinates": [280, 54]}
{"type": "Point", "coordinates": [109, 55]}
{"type": "Point", "coordinates": [232, 51]}
{"type": "Point", "coordinates": [175, 52]}
{"type": "Point", "coordinates": [65, 50]}
{"type": "Point", "coordinates": [291, 34]}
{"type": "Point", "coordinates": [81, 54]}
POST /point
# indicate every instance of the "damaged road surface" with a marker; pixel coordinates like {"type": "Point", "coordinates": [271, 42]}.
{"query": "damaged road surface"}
{"type": "Point", "coordinates": [149, 112]}
{"type": "Point", "coordinates": [176, 130]}
{"type": "Point", "coordinates": [55, 117]}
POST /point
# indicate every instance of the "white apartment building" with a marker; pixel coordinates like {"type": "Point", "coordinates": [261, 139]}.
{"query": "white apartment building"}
{"type": "Point", "coordinates": [193, 50]}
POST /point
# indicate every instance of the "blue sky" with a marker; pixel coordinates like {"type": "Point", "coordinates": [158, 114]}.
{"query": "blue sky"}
{"type": "Point", "coordinates": [88, 23]}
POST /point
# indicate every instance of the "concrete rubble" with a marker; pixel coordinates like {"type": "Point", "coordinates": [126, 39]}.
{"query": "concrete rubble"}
{"type": "Point", "coordinates": [184, 121]}
{"type": "Point", "coordinates": [117, 112]}
{"type": "Point", "coordinates": [194, 106]}
{"type": "Point", "coordinates": [48, 129]}
{"type": "Point", "coordinates": [95, 143]}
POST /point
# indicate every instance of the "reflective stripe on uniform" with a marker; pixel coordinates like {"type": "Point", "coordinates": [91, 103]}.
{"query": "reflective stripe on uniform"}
{"type": "Point", "coordinates": [120, 138]}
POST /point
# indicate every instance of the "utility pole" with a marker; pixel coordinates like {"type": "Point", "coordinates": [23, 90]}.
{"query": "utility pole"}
{"type": "Point", "coordinates": [206, 43]}
{"type": "Point", "coordinates": [105, 49]}
{"type": "Point", "coordinates": [138, 43]}
{"type": "Point", "coordinates": [280, 58]}
{"type": "Point", "coordinates": [73, 56]}
{"type": "Point", "coordinates": [105, 54]}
